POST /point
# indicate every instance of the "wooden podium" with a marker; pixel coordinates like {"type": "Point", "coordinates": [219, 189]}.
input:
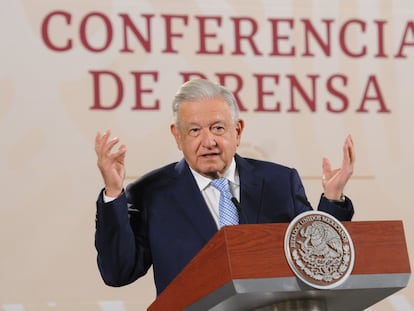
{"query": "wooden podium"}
{"type": "Point", "coordinates": [244, 268]}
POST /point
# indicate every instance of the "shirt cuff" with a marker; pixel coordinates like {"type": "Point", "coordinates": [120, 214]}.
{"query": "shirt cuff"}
{"type": "Point", "coordinates": [108, 199]}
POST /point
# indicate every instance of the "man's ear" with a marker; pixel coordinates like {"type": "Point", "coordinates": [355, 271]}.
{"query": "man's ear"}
{"type": "Point", "coordinates": [177, 136]}
{"type": "Point", "coordinates": [239, 130]}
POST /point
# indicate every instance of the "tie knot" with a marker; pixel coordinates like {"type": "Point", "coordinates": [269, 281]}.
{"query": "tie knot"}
{"type": "Point", "coordinates": [222, 185]}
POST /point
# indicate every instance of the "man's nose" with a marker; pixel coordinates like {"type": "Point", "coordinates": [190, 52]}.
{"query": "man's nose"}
{"type": "Point", "coordinates": [207, 138]}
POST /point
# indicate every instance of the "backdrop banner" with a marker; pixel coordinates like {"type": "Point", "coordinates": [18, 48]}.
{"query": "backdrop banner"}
{"type": "Point", "coordinates": [305, 74]}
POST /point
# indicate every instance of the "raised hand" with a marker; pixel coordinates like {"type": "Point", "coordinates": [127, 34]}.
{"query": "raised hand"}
{"type": "Point", "coordinates": [111, 164]}
{"type": "Point", "coordinates": [334, 181]}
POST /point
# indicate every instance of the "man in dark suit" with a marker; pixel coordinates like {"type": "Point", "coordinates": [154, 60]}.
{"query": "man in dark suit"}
{"type": "Point", "coordinates": [165, 217]}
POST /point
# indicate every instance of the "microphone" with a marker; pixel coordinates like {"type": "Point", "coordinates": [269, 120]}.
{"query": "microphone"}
{"type": "Point", "coordinates": [303, 200]}
{"type": "Point", "coordinates": [239, 209]}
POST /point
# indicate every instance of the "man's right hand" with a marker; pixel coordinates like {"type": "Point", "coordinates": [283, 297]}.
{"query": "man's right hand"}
{"type": "Point", "coordinates": [111, 164]}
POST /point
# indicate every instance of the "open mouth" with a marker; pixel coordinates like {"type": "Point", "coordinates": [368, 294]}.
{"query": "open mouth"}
{"type": "Point", "coordinates": [210, 155]}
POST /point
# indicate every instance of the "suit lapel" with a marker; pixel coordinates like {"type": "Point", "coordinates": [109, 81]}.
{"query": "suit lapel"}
{"type": "Point", "coordinates": [251, 187]}
{"type": "Point", "coordinates": [192, 203]}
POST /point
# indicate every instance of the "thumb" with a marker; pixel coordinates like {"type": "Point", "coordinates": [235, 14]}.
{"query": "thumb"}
{"type": "Point", "coordinates": [326, 166]}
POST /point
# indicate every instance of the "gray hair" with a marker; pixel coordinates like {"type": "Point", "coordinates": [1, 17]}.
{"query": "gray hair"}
{"type": "Point", "coordinates": [200, 89]}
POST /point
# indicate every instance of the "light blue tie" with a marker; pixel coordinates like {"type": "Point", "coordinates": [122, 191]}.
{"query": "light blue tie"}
{"type": "Point", "coordinates": [227, 210]}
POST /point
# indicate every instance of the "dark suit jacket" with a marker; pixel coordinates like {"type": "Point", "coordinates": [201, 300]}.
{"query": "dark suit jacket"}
{"type": "Point", "coordinates": [167, 221]}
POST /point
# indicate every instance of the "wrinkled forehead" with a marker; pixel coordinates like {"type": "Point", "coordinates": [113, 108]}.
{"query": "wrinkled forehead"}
{"type": "Point", "coordinates": [208, 110]}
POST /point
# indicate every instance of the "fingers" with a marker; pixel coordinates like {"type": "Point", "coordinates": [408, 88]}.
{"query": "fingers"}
{"type": "Point", "coordinates": [348, 149]}
{"type": "Point", "coordinates": [110, 163]}
{"type": "Point", "coordinates": [120, 153]}
{"type": "Point", "coordinates": [334, 180]}
{"type": "Point", "coordinates": [106, 159]}
{"type": "Point", "coordinates": [100, 141]}
{"type": "Point", "coordinates": [348, 155]}
{"type": "Point", "coordinates": [102, 146]}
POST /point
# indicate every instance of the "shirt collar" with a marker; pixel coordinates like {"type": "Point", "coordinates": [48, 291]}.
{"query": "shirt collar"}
{"type": "Point", "coordinates": [231, 174]}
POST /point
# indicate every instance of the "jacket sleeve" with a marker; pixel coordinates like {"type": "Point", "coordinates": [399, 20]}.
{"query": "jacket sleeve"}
{"type": "Point", "coordinates": [123, 255]}
{"type": "Point", "coordinates": [343, 211]}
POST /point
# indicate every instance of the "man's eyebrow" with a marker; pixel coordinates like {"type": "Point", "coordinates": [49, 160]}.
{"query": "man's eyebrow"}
{"type": "Point", "coordinates": [220, 121]}
{"type": "Point", "coordinates": [193, 124]}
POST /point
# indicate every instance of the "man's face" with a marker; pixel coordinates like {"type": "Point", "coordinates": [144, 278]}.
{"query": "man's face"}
{"type": "Point", "coordinates": [207, 135]}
